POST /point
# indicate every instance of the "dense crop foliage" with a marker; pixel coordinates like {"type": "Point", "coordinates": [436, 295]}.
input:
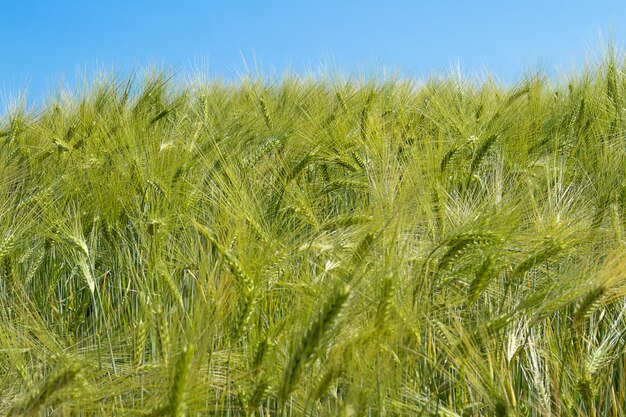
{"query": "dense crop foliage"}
{"type": "Point", "coordinates": [316, 247]}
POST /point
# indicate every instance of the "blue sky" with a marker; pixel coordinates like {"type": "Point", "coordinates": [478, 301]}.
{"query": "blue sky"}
{"type": "Point", "coordinates": [44, 42]}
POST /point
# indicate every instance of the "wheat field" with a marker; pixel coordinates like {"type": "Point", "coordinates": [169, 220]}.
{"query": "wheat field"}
{"type": "Point", "coordinates": [325, 246]}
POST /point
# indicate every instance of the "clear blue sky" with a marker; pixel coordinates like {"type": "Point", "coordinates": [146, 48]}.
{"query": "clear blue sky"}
{"type": "Point", "coordinates": [43, 42]}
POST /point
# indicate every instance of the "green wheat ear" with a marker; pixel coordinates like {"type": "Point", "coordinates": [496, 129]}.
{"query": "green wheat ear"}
{"type": "Point", "coordinates": [317, 332]}
{"type": "Point", "coordinates": [46, 392]}
{"type": "Point", "coordinates": [588, 304]}
{"type": "Point", "coordinates": [259, 392]}
{"type": "Point", "coordinates": [385, 306]}
{"type": "Point", "coordinates": [175, 405]}
{"type": "Point", "coordinates": [479, 156]}
{"type": "Point", "coordinates": [481, 280]}
{"type": "Point", "coordinates": [265, 113]}
{"type": "Point", "coordinates": [547, 249]}
{"type": "Point", "coordinates": [141, 336]}
{"type": "Point", "coordinates": [177, 397]}
{"type": "Point", "coordinates": [7, 245]}
{"type": "Point", "coordinates": [323, 382]}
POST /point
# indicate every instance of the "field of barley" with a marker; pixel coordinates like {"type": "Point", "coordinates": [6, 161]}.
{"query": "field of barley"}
{"type": "Point", "coordinates": [316, 247]}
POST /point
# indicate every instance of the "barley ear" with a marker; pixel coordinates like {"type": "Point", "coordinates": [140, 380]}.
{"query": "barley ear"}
{"type": "Point", "coordinates": [7, 245]}
{"type": "Point", "coordinates": [40, 397]}
{"type": "Point", "coordinates": [480, 281]}
{"type": "Point", "coordinates": [141, 336]}
{"type": "Point", "coordinates": [385, 305]}
{"type": "Point", "coordinates": [176, 404]}
{"type": "Point", "coordinates": [265, 113]}
{"type": "Point", "coordinates": [258, 393]}
{"type": "Point", "coordinates": [315, 335]}
{"type": "Point", "coordinates": [588, 304]}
